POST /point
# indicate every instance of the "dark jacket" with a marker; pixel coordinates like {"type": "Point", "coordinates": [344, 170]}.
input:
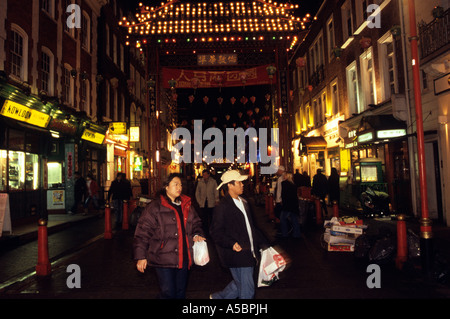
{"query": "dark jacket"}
{"type": "Point", "coordinates": [289, 199]}
{"type": "Point", "coordinates": [320, 186]}
{"type": "Point", "coordinates": [158, 234]}
{"type": "Point", "coordinates": [120, 190]}
{"type": "Point", "coordinates": [228, 227]}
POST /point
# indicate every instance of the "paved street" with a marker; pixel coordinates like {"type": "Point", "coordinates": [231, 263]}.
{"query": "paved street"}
{"type": "Point", "coordinates": [108, 270]}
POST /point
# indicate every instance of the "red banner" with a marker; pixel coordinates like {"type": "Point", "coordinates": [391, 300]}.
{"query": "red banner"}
{"type": "Point", "coordinates": [186, 79]}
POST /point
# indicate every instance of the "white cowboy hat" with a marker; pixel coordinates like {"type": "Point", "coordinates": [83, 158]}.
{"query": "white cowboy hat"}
{"type": "Point", "coordinates": [232, 175]}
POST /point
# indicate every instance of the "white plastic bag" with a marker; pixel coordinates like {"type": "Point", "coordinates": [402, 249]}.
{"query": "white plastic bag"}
{"type": "Point", "coordinates": [272, 263]}
{"type": "Point", "coordinates": [201, 254]}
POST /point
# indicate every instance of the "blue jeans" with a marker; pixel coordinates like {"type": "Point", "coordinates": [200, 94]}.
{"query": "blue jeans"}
{"type": "Point", "coordinates": [118, 209]}
{"type": "Point", "coordinates": [242, 286]}
{"type": "Point", "coordinates": [172, 282]}
{"type": "Point", "coordinates": [284, 220]}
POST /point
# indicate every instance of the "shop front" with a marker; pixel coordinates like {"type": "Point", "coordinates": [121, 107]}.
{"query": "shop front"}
{"type": "Point", "coordinates": [379, 161]}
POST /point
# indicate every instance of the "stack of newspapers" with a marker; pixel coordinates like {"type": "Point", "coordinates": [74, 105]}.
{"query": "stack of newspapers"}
{"type": "Point", "coordinates": [341, 233]}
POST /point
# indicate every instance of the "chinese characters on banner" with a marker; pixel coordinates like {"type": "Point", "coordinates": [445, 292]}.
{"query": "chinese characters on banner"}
{"type": "Point", "coordinates": [207, 79]}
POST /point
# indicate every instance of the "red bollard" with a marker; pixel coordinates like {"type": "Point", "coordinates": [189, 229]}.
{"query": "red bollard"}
{"type": "Point", "coordinates": [125, 215]}
{"type": "Point", "coordinates": [335, 209]}
{"type": "Point", "coordinates": [402, 242]}
{"type": "Point", "coordinates": [43, 267]}
{"type": "Point", "coordinates": [319, 220]}
{"type": "Point", "coordinates": [108, 229]}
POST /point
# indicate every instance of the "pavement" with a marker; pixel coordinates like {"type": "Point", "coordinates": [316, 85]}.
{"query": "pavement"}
{"type": "Point", "coordinates": [108, 270]}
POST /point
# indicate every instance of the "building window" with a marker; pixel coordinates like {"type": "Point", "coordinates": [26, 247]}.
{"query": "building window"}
{"type": "Point", "coordinates": [116, 105]}
{"type": "Point", "coordinates": [324, 109]}
{"type": "Point", "coordinates": [368, 78]}
{"type": "Point", "coordinates": [48, 6]}
{"type": "Point", "coordinates": [353, 88]}
{"type": "Point", "coordinates": [85, 32]}
{"type": "Point", "coordinates": [19, 53]}
{"type": "Point", "coordinates": [347, 22]}
{"type": "Point", "coordinates": [114, 49]}
{"type": "Point", "coordinates": [334, 98]}
{"type": "Point", "coordinates": [67, 87]}
{"type": "Point", "coordinates": [386, 48]}
{"type": "Point", "coordinates": [84, 97]}
{"type": "Point", "coordinates": [47, 71]}
{"type": "Point", "coordinates": [330, 38]}
{"type": "Point", "coordinates": [108, 52]}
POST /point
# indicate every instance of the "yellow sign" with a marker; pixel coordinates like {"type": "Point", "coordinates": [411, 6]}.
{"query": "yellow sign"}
{"type": "Point", "coordinates": [134, 134]}
{"type": "Point", "coordinates": [24, 114]}
{"type": "Point", "coordinates": [92, 136]}
{"type": "Point", "coordinates": [118, 128]}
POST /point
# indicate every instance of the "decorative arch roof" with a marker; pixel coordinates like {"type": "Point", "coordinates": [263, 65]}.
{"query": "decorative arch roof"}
{"type": "Point", "coordinates": [217, 19]}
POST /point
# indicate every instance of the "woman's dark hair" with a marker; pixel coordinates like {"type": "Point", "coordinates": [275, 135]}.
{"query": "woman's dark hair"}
{"type": "Point", "coordinates": [166, 183]}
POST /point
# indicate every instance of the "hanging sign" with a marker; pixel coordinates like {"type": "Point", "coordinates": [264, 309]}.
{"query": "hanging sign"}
{"type": "Point", "coordinates": [92, 136]}
{"type": "Point", "coordinates": [24, 114]}
{"type": "Point", "coordinates": [134, 134]}
{"type": "Point", "coordinates": [118, 127]}
{"type": "Point", "coordinates": [207, 79]}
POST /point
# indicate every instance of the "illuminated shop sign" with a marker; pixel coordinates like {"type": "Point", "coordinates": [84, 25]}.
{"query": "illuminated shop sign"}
{"type": "Point", "coordinates": [391, 133]}
{"type": "Point", "coordinates": [366, 137]}
{"type": "Point", "coordinates": [92, 136]}
{"type": "Point", "coordinates": [23, 113]}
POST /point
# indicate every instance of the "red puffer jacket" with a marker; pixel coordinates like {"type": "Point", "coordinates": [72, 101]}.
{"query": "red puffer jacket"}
{"type": "Point", "coordinates": [158, 235]}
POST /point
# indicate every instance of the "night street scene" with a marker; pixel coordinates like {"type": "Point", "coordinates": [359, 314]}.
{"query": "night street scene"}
{"type": "Point", "coordinates": [274, 152]}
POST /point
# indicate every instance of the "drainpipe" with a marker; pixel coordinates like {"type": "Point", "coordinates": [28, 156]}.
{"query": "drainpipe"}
{"type": "Point", "coordinates": [426, 235]}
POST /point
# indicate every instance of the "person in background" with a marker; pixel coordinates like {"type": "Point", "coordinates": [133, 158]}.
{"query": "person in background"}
{"type": "Point", "coordinates": [92, 193]}
{"type": "Point", "coordinates": [289, 207]}
{"type": "Point", "coordinates": [116, 191]}
{"type": "Point", "coordinates": [207, 197]}
{"type": "Point", "coordinates": [333, 187]}
{"type": "Point", "coordinates": [80, 191]}
{"type": "Point", "coordinates": [320, 188]}
{"type": "Point", "coordinates": [164, 236]}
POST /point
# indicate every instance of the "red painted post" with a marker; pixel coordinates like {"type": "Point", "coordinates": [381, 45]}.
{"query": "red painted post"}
{"type": "Point", "coordinates": [335, 209]}
{"type": "Point", "coordinates": [108, 229]}
{"type": "Point", "coordinates": [125, 215]}
{"type": "Point", "coordinates": [43, 267]}
{"type": "Point", "coordinates": [319, 220]}
{"type": "Point", "coordinates": [402, 242]}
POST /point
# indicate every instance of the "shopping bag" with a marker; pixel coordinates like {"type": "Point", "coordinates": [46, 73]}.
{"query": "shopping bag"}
{"type": "Point", "coordinates": [272, 263]}
{"type": "Point", "coordinates": [201, 254]}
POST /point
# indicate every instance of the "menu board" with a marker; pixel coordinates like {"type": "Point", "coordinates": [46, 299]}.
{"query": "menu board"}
{"type": "Point", "coordinates": [5, 214]}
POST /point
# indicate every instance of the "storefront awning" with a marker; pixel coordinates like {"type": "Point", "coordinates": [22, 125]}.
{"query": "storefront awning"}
{"type": "Point", "coordinates": [311, 144]}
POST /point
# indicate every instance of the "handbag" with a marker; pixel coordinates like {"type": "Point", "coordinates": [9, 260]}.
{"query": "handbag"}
{"type": "Point", "coordinates": [272, 263]}
{"type": "Point", "coordinates": [201, 254]}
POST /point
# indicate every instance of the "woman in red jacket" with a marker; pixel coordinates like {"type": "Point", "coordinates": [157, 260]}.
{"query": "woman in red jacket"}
{"type": "Point", "coordinates": [91, 193]}
{"type": "Point", "coordinates": [164, 236]}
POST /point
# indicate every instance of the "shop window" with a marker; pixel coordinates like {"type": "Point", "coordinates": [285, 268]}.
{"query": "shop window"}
{"type": "Point", "coordinates": [54, 173]}
{"type": "Point", "coordinates": [23, 171]}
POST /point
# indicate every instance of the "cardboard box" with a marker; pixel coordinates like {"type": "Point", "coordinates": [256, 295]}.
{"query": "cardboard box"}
{"type": "Point", "coordinates": [340, 239]}
{"type": "Point", "coordinates": [347, 229]}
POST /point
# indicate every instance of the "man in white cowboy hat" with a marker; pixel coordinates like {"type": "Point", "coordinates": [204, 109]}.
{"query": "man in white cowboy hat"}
{"type": "Point", "coordinates": [237, 239]}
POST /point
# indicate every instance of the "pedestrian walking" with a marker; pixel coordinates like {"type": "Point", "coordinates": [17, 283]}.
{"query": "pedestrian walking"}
{"type": "Point", "coordinates": [333, 186]}
{"type": "Point", "coordinates": [289, 211]}
{"type": "Point", "coordinates": [118, 192]}
{"type": "Point", "coordinates": [207, 197]}
{"type": "Point", "coordinates": [164, 236]}
{"type": "Point", "coordinates": [79, 192]}
{"type": "Point", "coordinates": [281, 175]}
{"type": "Point", "coordinates": [320, 188]}
{"type": "Point", "coordinates": [237, 239]}
{"type": "Point", "coordinates": [92, 193]}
